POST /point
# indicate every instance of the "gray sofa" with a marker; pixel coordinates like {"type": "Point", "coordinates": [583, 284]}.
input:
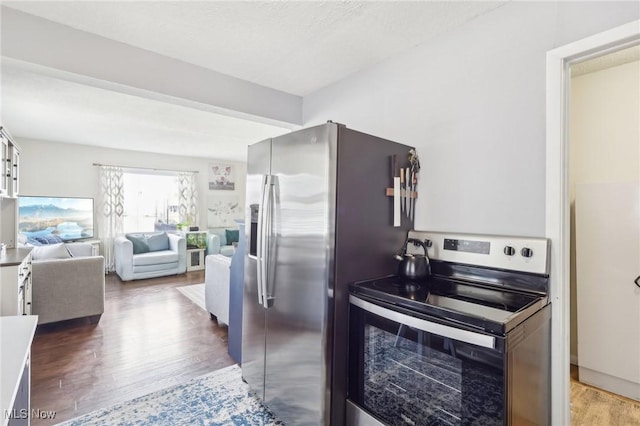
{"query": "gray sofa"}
{"type": "Point", "coordinates": [165, 254]}
{"type": "Point", "coordinates": [65, 287]}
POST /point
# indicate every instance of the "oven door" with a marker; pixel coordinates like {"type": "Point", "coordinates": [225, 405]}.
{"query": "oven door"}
{"type": "Point", "coordinates": [409, 369]}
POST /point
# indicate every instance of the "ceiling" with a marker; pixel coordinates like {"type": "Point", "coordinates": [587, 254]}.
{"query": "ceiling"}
{"type": "Point", "coordinates": [75, 113]}
{"type": "Point", "coordinates": [293, 47]}
{"type": "Point", "coordinates": [297, 47]}
{"type": "Point", "coordinates": [619, 57]}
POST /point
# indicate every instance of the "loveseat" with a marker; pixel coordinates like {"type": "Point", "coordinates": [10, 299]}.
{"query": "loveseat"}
{"type": "Point", "coordinates": [67, 283]}
{"type": "Point", "coordinates": [221, 241]}
{"type": "Point", "coordinates": [149, 255]}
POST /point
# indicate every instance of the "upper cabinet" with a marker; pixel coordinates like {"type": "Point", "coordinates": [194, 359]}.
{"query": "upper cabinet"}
{"type": "Point", "coordinates": [10, 166]}
{"type": "Point", "coordinates": [4, 180]}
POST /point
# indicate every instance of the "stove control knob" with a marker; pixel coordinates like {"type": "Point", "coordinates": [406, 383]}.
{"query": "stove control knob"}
{"type": "Point", "coordinates": [526, 252]}
{"type": "Point", "coordinates": [509, 251]}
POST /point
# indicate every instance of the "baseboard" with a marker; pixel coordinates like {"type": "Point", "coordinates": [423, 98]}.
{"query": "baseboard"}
{"type": "Point", "coordinates": [573, 359]}
{"type": "Point", "coordinates": [610, 383]}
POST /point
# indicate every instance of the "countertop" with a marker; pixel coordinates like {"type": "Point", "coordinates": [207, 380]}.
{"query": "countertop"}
{"type": "Point", "coordinates": [14, 256]}
{"type": "Point", "coordinates": [16, 335]}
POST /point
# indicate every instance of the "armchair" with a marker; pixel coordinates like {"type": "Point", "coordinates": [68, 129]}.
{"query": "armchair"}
{"type": "Point", "coordinates": [68, 288]}
{"type": "Point", "coordinates": [218, 241]}
{"type": "Point", "coordinates": [165, 254]}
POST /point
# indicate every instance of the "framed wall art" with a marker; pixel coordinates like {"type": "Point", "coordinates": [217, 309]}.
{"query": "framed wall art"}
{"type": "Point", "coordinates": [222, 211]}
{"type": "Point", "coordinates": [221, 177]}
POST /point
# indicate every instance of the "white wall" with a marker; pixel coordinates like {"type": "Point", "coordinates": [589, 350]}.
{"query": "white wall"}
{"type": "Point", "coordinates": [473, 103]}
{"type": "Point", "coordinates": [604, 142]}
{"type": "Point", "coordinates": [604, 126]}
{"type": "Point", "coordinates": [61, 169]}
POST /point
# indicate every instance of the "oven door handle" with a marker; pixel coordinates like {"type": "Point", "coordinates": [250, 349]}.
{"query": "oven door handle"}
{"type": "Point", "coordinates": [454, 333]}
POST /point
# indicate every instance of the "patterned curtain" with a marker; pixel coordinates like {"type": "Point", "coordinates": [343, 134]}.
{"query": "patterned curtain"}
{"type": "Point", "coordinates": [111, 213]}
{"type": "Point", "coordinates": [188, 198]}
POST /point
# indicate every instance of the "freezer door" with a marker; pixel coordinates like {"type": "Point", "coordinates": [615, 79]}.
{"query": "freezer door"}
{"type": "Point", "coordinates": [253, 313]}
{"type": "Point", "coordinates": [298, 275]}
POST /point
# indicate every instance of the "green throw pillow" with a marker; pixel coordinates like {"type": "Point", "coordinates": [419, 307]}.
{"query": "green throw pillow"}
{"type": "Point", "coordinates": [233, 235]}
{"type": "Point", "coordinates": [139, 244]}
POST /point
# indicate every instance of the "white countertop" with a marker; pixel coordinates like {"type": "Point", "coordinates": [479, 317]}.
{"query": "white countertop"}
{"type": "Point", "coordinates": [16, 335]}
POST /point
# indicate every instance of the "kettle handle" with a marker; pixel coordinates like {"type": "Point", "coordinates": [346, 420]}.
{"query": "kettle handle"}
{"type": "Point", "coordinates": [415, 242]}
{"type": "Point", "coordinates": [402, 251]}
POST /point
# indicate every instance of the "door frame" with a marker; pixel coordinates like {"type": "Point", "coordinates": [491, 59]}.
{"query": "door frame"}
{"type": "Point", "coordinates": [557, 222]}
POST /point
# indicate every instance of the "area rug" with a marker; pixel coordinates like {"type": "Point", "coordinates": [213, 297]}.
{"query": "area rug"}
{"type": "Point", "coordinates": [591, 406]}
{"type": "Point", "coordinates": [195, 293]}
{"type": "Point", "coordinates": [219, 398]}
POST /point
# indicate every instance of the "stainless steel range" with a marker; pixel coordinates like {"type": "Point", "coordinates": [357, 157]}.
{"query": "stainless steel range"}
{"type": "Point", "coordinates": [470, 345]}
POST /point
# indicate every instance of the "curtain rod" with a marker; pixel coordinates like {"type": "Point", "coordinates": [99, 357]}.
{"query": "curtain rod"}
{"type": "Point", "coordinates": [147, 168]}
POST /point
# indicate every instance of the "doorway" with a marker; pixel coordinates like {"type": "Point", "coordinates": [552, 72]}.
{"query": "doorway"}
{"type": "Point", "coordinates": [604, 197]}
{"type": "Point", "coordinates": [557, 194]}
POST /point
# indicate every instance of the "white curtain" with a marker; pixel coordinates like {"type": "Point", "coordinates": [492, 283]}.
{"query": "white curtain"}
{"type": "Point", "coordinates": [188, 200]}
{"type": "Point", "coordinates": [111, 211]}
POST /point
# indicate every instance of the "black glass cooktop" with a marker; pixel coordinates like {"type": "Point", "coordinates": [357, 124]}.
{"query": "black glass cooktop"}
{"type": "Point", "coordinates": [492, 309]}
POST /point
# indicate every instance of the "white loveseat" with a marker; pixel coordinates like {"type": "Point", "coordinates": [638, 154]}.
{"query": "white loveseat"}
{"type": "Point", "coordinates": [165, 254]}
{"type": "Point", "coordinates": [217, 242]}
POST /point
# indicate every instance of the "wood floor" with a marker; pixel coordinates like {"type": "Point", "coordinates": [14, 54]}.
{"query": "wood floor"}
{"type": "Point", "coordinates": [575, 377]}
{"type": "Point", "coordinates": [149, 337]}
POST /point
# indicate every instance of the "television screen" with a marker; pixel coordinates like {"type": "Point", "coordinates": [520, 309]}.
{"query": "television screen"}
{"type": "Point", "coordinates": [52, 219]}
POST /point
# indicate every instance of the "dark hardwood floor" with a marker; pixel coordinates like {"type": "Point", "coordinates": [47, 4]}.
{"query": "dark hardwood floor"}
{"type": "Point", "coordinates": [149, 337]}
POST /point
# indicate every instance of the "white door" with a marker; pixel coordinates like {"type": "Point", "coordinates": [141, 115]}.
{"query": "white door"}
{"type": "Point", "coordinates": [607, 264]}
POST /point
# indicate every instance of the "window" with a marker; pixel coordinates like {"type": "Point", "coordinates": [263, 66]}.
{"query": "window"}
{"type": "Point", "coordinates": [151, 201]}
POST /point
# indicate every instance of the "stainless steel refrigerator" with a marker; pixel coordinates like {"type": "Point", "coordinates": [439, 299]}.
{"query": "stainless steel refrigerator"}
{"type": "Point", "coordinates": [318, 217]}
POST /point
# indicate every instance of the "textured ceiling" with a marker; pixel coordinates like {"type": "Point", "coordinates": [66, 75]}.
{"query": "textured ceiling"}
{"type": "Point", "coordinates": [293, 47]}
{"type": "Point", "coordinates": [613, 59]}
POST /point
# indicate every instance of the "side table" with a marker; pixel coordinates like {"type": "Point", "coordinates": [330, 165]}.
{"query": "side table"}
{"type": "Point", "coordinates": [195, 259]}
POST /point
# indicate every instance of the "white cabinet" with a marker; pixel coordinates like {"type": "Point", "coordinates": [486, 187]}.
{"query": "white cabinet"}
{"type": "Point", "coordinates": [608, 299]}
{"type": "Point", "coordinates": [9, 188]}
{"type": "Point", "coordinates": [195, 259]}
{"type": "Point", "coordinates": [15, 282]}
{"type": "Point", "coordinates": [196, 247]}
{"type": "Point", "coordinates": [10, 165]}
{"type": "Point", "coordinates": [5, 162]}
{"type": "Point", "coordinates": [15, 380]}
{"type": "Point", "coordinates": [14, 182]}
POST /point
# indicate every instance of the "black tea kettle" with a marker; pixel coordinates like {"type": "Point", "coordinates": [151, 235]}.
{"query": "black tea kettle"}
{"type": "Point", "coordinates": [413, 267]}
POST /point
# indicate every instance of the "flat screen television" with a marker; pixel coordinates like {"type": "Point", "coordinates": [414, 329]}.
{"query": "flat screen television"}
{"type": "Point", "coordinates": [48, 220]}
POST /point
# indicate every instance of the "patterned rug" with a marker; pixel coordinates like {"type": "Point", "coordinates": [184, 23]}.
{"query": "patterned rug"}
{"type": "Point", "coordinates": [195, 293]}
{"type": "Point", "coordinates": [219, 398]}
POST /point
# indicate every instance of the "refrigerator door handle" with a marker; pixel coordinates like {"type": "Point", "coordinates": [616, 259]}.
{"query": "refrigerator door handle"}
{"type": "Point", "coordinates": [261, 237]}
{"type": "Point", "coordinates": [272, 215]}
{"type": "Point", "coordinates": [266, 239]}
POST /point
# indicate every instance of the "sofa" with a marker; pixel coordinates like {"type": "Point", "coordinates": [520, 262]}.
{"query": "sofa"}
{"type": "Point", "coordinates": [67, 283]}
{"type": "Point", "coordinates": [222, 241]}
{"type": "Point", "coordinates": [149, 255]}
{"type": "Point", "coordinates": [216, 287]}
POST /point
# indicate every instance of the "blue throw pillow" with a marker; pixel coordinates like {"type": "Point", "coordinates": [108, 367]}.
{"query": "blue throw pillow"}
{"type": "Point", "coordinates": [233, 235]}
{"type": "Point", "coordinates": [139, 243]}
{"type": "Point", "coordinates": [49, 239]}
{"type": "Point", "coordinates": [157, 242]}
{"type": "Point", "coordinates": [33, 242]}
